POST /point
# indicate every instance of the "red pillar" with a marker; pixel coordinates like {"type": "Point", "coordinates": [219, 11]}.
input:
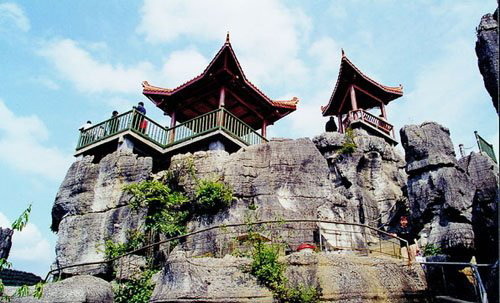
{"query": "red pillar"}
{"type": "Point", "coordinates": [354, 103]}
{"type": "Point", "coordinates": [222, 102]}
{"type": "Point", "coordinates": [264, 129]}
{"type": "Point", "coordinates": [172, 124]}
{"type": "Point", "coordinates": [382, 109]}
{"type": "Point", "coordinates": [341, 128]}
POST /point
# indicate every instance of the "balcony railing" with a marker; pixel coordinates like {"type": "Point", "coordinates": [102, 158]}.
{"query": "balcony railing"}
{"type": "Point", "coordinates": [166, 137]}
{"type": "Point", "coordinates": [362, 115]}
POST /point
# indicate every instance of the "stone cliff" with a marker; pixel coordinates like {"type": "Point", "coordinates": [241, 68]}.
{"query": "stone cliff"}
{"type": "Point", "coordinates": [487, 54]}
{"type": "Point", "coordinates": [292, 179]}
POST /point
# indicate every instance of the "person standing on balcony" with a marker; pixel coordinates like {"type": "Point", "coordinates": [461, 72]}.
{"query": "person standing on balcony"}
{"type": "Point", "coordinates": [331, 126]}
{"type": "Point", "coordinates": [113, 123]}
{"type": "Point", "coordinates": [86, 137]}
{"type": "Point", "coordinates": [139, 122]}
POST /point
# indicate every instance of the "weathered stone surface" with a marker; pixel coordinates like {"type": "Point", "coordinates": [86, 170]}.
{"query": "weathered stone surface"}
{"type": "Point", "coordinates": [90, 188]}
{"type": "Point", "coordinates": [90, 207]}
{"type": "Point", "coordinates": [427, 145]}
{"type": "Point", "coordinates": [129, 267]}
{"type": "Point", "coordinates": [84, 289]}
{"type": "Point", "coordinates": [487, 54]}
{"type": "Point", "coordinates": [372, 178]}
{"type": "Point", "coordinates": [342, 278]}
{"type": "Point", "coordinates": [484, 174]}
{"type": "Point", "coordinates": [5, 242]}
{"type": "Point", "coordinates": [208, 280]}
{"type": "Point", "coordinates": [440, 192]}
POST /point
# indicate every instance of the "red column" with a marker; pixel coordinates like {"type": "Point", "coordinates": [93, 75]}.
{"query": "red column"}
{"type": "Point", "coordinates": [172, 124]}
{"type": "Point", "coordinates": [382, 109]}
{"type": "Point", "coordinates": [222, 97]}
{"type": "Point", "coordinates": [341, 128]}
{"type": "Point", "coordinates": [264, 129]}
{"type": "Point", "coordinates": [354, 103]}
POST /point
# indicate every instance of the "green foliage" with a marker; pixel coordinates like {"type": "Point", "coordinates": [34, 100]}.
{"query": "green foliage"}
{"type": "Point", "coordinates": [38, 293]}
{"type": "Point", "coordinates": [212, 196]}
{"type": "Point", "coordinates": [138, 290]}
{"type": "Point", "coordinates": [21, 222]}
{"type": "Point", "coordinates": [167, 211]}
{"type": "Point", "coordinates": [135, 240]}
{"type": "Point", "coordinates": [431, 250]}
{"type": "Point", "coordinates": [22, 291]}
{"type": "Point", "coordinates": [271, 273]}
{"type": "Point", "coordinates": [348, 146]}
{"type": "Point", "coordinates": [4, 264]}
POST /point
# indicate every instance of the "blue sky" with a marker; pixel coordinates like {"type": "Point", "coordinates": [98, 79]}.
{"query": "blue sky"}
{"type": "Point", "coordinates": [62, 63]}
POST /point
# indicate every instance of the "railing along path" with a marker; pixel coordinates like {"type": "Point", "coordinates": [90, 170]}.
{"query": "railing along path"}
{"type": "Point", "coordinates": [363, 115]}
{"type": "Point", "coordinates": [165, 137]}
{"type": "Point", "coordinates": [352, 237]}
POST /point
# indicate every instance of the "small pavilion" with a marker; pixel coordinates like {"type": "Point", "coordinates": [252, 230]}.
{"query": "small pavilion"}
{"type": "Point", "coordinates": [354, 95]}
{"type": "Point", "coordinates": [219, 109]}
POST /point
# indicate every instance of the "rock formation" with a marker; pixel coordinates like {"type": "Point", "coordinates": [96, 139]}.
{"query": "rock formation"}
{"type": "Point", "coordinates": [79, 289]}
{"type": "Point", "coordinates": [487, 54]}
{"type": "Point", "coordinates": [341, 278]}
{"type": "Point", "coordinates": [91, 207]}
{"type": "Point", "coordinates": [440, 192]}
{"type": "Point", "coordinates": [5, 242]}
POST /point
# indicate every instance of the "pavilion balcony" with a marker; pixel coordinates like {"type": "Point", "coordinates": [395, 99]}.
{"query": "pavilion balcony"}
{"type": "Point", "coordinates": [374, 124]}
{"type": "Point", "coordinates": [164, 139]}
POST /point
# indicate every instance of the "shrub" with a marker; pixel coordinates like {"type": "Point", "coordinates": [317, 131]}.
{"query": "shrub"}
{"type": "Point", "coordinates": [138, 290]}
{"type": "Point", "coordinates": [348, 146]}
{"type": "Point", "coordinates": [431, 250]}
{"type": "Point", "coordinates": [211, 196]}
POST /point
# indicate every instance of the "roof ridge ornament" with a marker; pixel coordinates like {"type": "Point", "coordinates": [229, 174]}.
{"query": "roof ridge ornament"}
{"type": "Point", "coordinates": [227, 38]}
{"type": "Point", "coordinates": [343, 53]}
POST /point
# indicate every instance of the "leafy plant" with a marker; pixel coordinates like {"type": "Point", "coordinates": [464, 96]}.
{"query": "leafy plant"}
{"type": "Point", "coordinates": [271, 273]}
{"type": "Point", "coordinates": [348, 146]}
{"type": "Point", "coordinates": [135, 240]}
{"type": "Point", "coordinates": [211, 196]}
{"type": "Point", "coordinates": [431, 250]}
{"type": "Point", "coordinates": [22, 220]}
{"type": "Point", "coordinates": [138, 290]}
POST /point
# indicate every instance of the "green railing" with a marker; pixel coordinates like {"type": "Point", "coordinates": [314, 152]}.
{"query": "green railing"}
{"type": "Point", "coordinates": [166, 137]}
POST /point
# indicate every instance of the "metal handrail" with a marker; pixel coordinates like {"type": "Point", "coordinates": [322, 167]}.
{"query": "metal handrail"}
{"type": "Point", "coordinates": [165, 137]}
{"type": "Point", "coordinates": [225, 226]}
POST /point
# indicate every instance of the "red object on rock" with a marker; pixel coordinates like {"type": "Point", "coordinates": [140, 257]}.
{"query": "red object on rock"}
{"type": "Point", "coordinates": [306, 246]}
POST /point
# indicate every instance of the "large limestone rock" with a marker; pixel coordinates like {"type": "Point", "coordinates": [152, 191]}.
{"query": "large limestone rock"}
{"type": "Point", "coordinates": [440, 192]}
{"type": "Point", "coordinates": [79, 289]}
{"type": "Point", "coordinates": [372, 178]}
{"type": "Point", "coordinates": [208, 280]}
{"type": "Point", "coordinates": [487, 54]}
{"type": "Point", "coordinates": [91, 207]}
{"type": "Point", "coordinates": [483, 172]}
{"type": "Point", "coordinates": [5, 242]}
{"type": "Point", "coordinates": [341, 278]}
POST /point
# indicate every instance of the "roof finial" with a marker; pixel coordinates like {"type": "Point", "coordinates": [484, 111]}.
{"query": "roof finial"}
{"type": "Point", "coordinates": [227, 37]}
{"type": "Point", "coordinates": [343, 53]}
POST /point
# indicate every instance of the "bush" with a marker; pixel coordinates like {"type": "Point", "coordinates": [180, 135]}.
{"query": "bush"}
{"type": "Point", "coordinates": [348, 146]}
{"type": "Point", "coordinates": [212, 196]}
{"type": "Point", "coordinates": [135, 240]}
{"type": "Point", "coordinates": [135, 291]}
{"type": "Point", "coordinates": [431, 250]}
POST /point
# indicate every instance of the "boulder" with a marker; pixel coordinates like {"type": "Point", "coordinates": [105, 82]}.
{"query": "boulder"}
{"type": "Point", "coordinates": [341, 278]}
{"type": "Point", "coordinates": [487, 54]}
{"type": "Point", "coordinates": [84, 289]}
{"type": "Point", "coordinates": [91, 207]}
{"type": "Point", "coordinates": [5, 242]}
{"type": "Point", "coordinates": [440, 193]}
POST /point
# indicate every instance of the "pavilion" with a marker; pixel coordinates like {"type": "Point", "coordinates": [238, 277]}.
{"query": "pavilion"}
{"type": "Point", "coordinates": [218, 109]}
{"type": "Point", "coordinates": [354, 95]}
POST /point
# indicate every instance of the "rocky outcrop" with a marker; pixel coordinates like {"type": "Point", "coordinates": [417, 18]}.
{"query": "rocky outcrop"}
{"type": "Point", "coordinates": [11, 277]}
{"type": "Point", "coordinates": [372, 177]}
{"type": "Point", "coordinates": [487, 54]}
{"type": "Point", "coordinates": [440, 192]}
{"type": "Point", "coordinates": [90, 207]}
{"type": "Point", "coordinates": [484, 175]}
{"type": "Point", "coordinates": [5, 242]}
{"type": "Point", "coordinates": [79, 289]}
{"type": "Point", "coordinates": [341, 278]}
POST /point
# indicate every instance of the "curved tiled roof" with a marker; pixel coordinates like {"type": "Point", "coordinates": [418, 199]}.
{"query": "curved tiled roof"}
{"type": "Point", "coordinates": [150, 89]}
{"type": "Point", "coordinates": [397, 91]}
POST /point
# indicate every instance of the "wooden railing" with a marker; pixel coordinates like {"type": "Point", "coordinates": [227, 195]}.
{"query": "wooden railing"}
{"type": "Point", "coordinates": [362, 115]}
{"type": "Point", "coordinates": [166, 137]}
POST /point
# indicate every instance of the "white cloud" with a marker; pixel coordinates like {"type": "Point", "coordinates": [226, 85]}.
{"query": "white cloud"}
{"type": "Point", "coordinates": [450, 91]}
{"type": "Point", "coordinates": [266, 35]}
{"type": "Point", "coordinates": [12, 13]}
{"type": "Point", "coordinates": [21, 146]}
{"type": "Point", "coordinates": [30, 245]}
{"type": "Point", "coordinates": [88, 74]}
{"type": "Point", "coordinates": [183, 65]}
{"type": "Point", "coordinates": [4, 221]}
